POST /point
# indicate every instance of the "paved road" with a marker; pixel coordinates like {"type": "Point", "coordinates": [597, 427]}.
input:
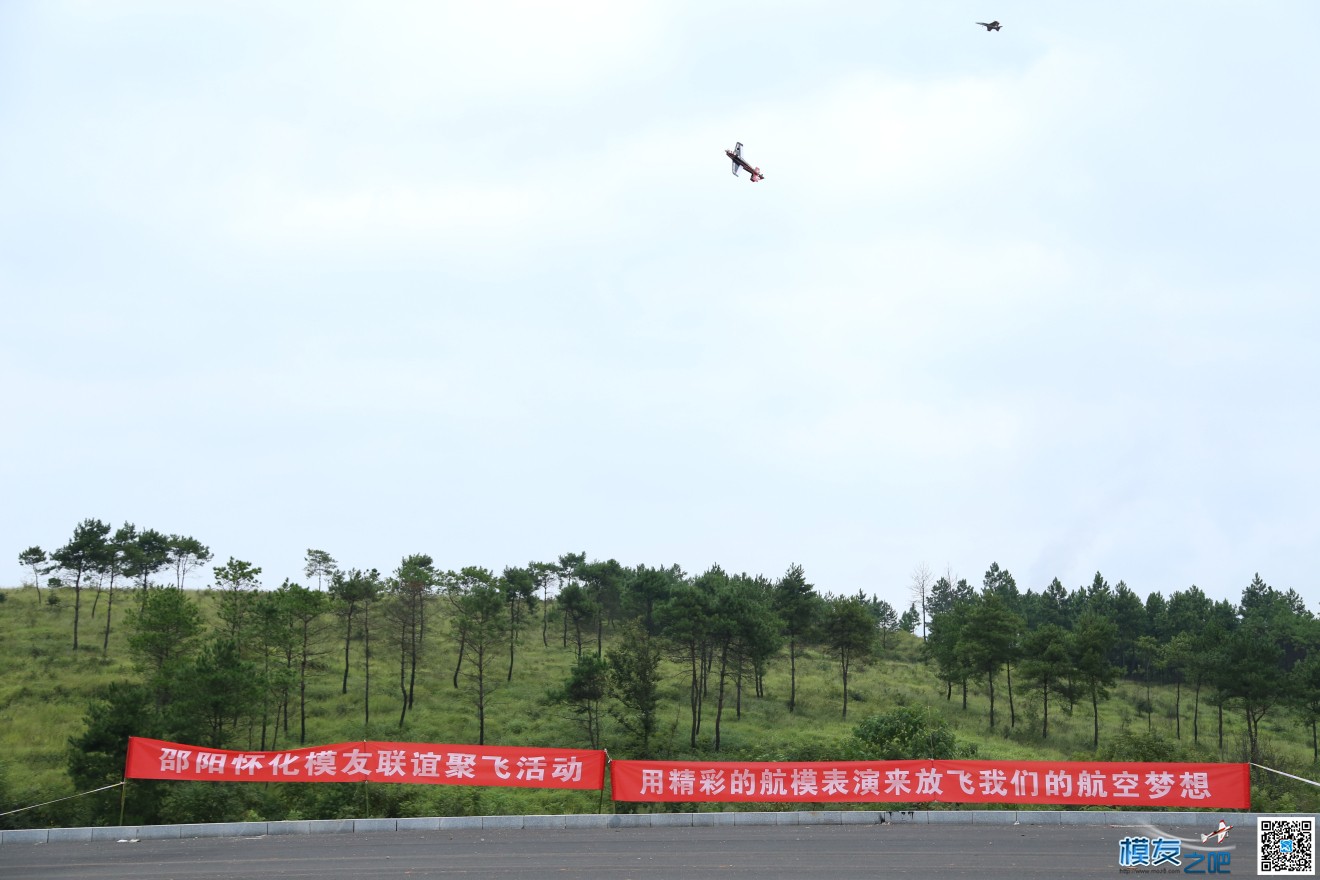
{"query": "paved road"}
{"type": "Point", "coordinates": [761, 852]}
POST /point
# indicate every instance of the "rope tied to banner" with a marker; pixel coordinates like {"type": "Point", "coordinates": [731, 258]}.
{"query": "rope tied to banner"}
{"type": "Point", "coordinates": [69, 798]}
{"type": "Point", "coordinates": [1289, 775]}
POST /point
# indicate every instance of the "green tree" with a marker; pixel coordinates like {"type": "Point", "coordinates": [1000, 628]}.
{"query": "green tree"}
{"type": "Point", "coordinates": [352, 593]}
{"type": "Point", "coordinates": [543, 575]}
{"type": "Point", "coordinates": [96, 756]}
{"type": "Point", "coordinates": [759, 637]}
{"type": "Point", "coordinates": [238, 582]}
{"type": "Point", "coordinates": [1148, 652]}
{"type": "Point", "coordinates": [1304, 693]}
{"type": "Point", "coordinates": [518, 590]}
{"type": "Point", "coordinates": [1092, 643]}
{"type": "Point", "coordinates": [84, 552]}
{"type": "Point", "coordinates": [109, 566]}
{"type": "Point", "coordinates": [950, 607]}
{"type": "Point", "coordinates": [989, 639]}
{"type": "Point", "coordinates": [186, 554]}
{"type": "Point", "coordinates": [272, 643]}
{"type": "Point", "coordinates": [634, 684]}
{"type": "Point", "coordinates": [908, 622]}
{"type": "Point", "coordinates": [1189, 613]}
{"type": "Point", "coordinates": [305, 609]}
{"type": "Point", "coordinates": [646, 588]}
{"type": "Point", "coordinates": [886, 622]}
{"type": "Point", "coordinates": [798, 606]}
{"type": "Point", "coordinates": [1044, 664]}
{"type": "Point", "coordinates": [410, 589]}
{"type": "Point", "coordinates": [147, 553]}
{"type": "Point", "coordinates": [216, 695]}
{"type": "Point", "coordinates": [906, 733]}
{"type": "Point", "coordinates": [1178, 657]}
{"type": "Point", "coordinates": [578, 609]}
{"type": "Point", "coordinates": [320, 565]}
{"type": "Point", "coordinates": [1129, 615]}
{"type": "Point", "coordinates": [481, 628]}
{"type": "Point", "coordinates": [35, 558]}
{"type": "Point", "coordinates": [583, 693]}
{"type": "Point", "coordinates": [685, 622]}
{"type": "Point", "coordinates": [1000, 582]}
{"type": "Point", "coordinates": [162, 636]}
{"type": "Point", "coordinates": [849, 631]}
{"type": "Point", "coordinates": [731, 606]}
{"type": "Point", "coordinates": [603, 583]}
{"type": "Point", "coordinates": [1253, 675]}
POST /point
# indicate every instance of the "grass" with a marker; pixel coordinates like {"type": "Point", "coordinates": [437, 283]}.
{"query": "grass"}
{"type": "Point", "coordinates": [45, 687]}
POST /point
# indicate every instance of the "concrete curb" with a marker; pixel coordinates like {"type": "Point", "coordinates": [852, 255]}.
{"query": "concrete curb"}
{"type": "Point", "coordinates": [627, 820]}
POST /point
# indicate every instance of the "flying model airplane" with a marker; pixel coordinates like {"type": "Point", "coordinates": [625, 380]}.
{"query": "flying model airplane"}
{"type": "Point", "coordinates": [739, 162]}
{"type": "Point", "coordinates": [1218, 834]}
{"type": "Point", "coordinates": [989, 25]}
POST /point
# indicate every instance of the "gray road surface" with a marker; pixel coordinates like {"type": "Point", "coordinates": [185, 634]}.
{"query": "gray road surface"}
{"type": "Point", "coordinates": [761, 852]}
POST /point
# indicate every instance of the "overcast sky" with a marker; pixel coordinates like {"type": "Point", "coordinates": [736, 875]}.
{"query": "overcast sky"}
{"type": "Point", "coordinates": [475, 280]}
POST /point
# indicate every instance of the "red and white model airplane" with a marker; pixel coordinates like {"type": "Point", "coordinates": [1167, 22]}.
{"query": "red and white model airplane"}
{"type": "Point", "coordinates": [739, 162]}
{"type": "Point", "coordinates": [1218, 834]}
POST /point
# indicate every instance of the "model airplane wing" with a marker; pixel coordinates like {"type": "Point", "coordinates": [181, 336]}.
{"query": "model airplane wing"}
{"type": "Point", "coordinates": [735, 156]}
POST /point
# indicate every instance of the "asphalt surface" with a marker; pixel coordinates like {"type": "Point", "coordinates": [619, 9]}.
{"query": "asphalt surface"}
{"type": "Point", "coordinates": [762, 852]}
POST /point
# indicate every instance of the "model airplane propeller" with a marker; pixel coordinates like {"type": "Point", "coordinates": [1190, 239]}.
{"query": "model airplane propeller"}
{"type": "Point", "coordinates": [739, 162]}
{"type": "Point", "coordinates": [989, 25]}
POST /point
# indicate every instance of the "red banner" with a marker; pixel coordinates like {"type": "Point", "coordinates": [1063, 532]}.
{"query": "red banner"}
{"type": "Point", "coordinates": [372, 762]}
{"type": "Point", "coordinates": [1225, 786]}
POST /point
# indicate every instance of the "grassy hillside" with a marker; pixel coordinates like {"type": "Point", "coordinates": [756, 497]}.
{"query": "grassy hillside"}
{"type": "Point", "coordinates": [45, 688]}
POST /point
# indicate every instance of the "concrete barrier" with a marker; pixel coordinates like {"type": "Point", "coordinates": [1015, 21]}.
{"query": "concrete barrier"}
{"type": "Point", "coordinates": [1116, 818]}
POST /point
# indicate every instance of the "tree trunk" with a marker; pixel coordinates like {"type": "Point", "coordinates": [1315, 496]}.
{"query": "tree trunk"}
{"type": "Point", "coordinates": [843, 662]}
{"type": "Point", "coordinates": [109, 610]}
{"type": "Point", "coordinates": [513, 635]}
{"type": "Point", "coordinates": [1221, 728]}
{"type": "Point", "coordinates": [1012, 713]}
{"type": "Point", "coordinates": [403, 672]}
{"type": "Point", "coordinates": [694, 697]}
{"type": "Point", "coordinates": [719, 703]}
{"type": "Point", "coordinates": [366, 656]}
{"type": "Point", "coordinates": [792, 674]}
{"type": "Point", "coordinates": [1196, 712]}
{"type": "Point", "coordinates": [1045, 728]}
{"type": "Point", "coordinates": [348, 635]}
{"type": "Point", "coordinates": [1095, 716]}
{"type": "Point", "coordinates": [462, 647]}
{"type": "Point", "coordinates": [1177, 708]}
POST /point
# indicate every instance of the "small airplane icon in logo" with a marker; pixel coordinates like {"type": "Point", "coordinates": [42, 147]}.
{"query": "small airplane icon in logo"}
{"type": "Point", "coordinates": [1218, 834]}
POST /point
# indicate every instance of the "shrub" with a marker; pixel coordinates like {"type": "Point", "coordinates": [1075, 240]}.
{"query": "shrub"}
{"type": "Point", "coordinates": [905, 733]}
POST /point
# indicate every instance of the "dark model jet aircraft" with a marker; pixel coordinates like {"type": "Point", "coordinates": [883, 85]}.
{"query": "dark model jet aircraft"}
{"type": "Point", "coordinates": [739, 162]}
{"type": "Point", "coordinates": [989, 25]}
